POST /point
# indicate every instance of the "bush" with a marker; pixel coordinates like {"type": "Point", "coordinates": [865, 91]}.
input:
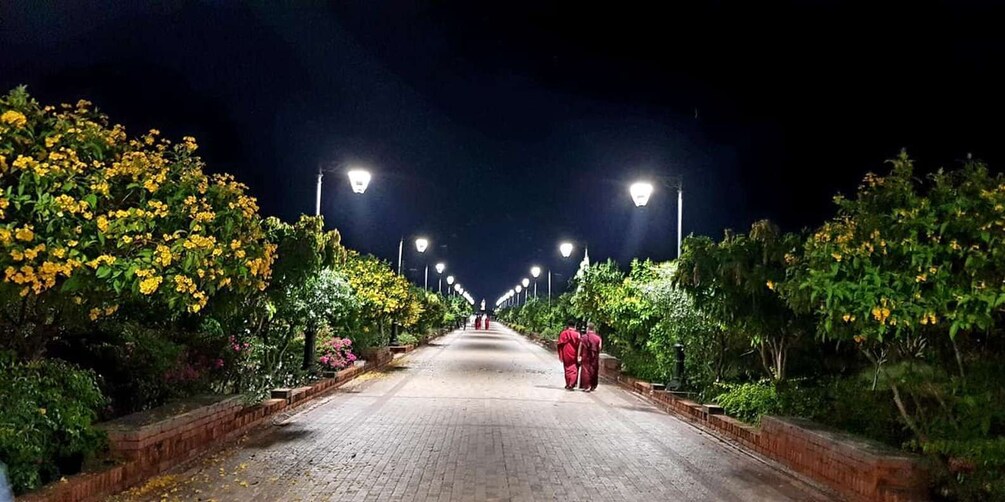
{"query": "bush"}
{"type": "Point", "coordinates": [407, 339]}
{"type": "Point", "coordinates": [749, 401]}
{"type": "Point", "coordinates": [46, 420]}
{"type": "Point", "coordinates": [336, 353]}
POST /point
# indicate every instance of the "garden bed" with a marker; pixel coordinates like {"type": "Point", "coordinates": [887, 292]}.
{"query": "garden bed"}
{"type": "Point", "coordinates": [147, 443]}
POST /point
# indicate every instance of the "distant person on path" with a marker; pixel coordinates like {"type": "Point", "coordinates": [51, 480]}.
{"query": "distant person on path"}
{"type": "Point", "coordinates": [486, 321]}
{"type": "Point", "coordinates": [568, 352]}
{"type": "Point", "coordinates": [589, 359]}
{"type": "Point", "coordinates": [465, 321]}
{"type": "Point", "coordinates": [478, 322]}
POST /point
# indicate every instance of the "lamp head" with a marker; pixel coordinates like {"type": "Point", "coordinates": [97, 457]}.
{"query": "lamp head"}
{"type": "Point", "coordinates": [640, 193]}
{"type": "Point", "coordinates": [525, 281]}
{"type": "Point", "coordinates": [535, 271]}
{"type": "Point", "coordinates": [566, 249]}
{"type": "Point", "coordinates": [450, 279]}
{"type": "Point", "coordinates": [421, 244]}
{"type": "Point", "coordinates": [359, 179]}
{"type": "Point", "coordinates": [440, 267]}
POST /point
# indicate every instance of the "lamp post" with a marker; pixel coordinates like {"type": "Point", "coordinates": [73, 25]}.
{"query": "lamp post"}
{"type": "Point", "coordinates": [440, 267]}
{"type": "Point", "coordinates": [642, 190]}
{"type": "Point", "coordinates": [518, 288]}
{"type": "Point", "coordinates": [535, 272]}
{"type": "Point", "coordinates": [450, 282]}
{"type": "Point", "coordinates": [526, 290]}
{"type": "Point", "coordinates": [359, 179]}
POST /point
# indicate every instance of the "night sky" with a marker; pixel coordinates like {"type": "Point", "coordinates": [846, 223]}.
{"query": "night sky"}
{"type": "Point", "coordinates": [498, 131]}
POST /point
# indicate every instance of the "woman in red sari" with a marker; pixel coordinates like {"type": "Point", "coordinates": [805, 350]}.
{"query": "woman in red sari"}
{"type": "Point", "coordinates": [478, 322]}
{"type": "Point", "coordinates": [589, 359]}
{"type": "Point", "coordinates": [568, 353]}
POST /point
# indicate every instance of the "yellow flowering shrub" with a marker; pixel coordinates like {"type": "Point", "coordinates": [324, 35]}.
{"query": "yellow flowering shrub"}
{"type": "Point", "coordinates": [90, 214]}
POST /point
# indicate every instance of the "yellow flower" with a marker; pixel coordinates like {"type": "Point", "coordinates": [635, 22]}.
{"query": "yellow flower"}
{"type": "Point", "coordinates": [102, 223]}
{"type": "Point", "coordinates": [771, 285]}
{"type": "Point", "coordinates": [14, 118]}
{"type": "Point", "coordinates": [16, 254]}
{"type": "Point", "coordinates": [24, 233]}
{"type": "Point", "coordinates": [150, 284]}
{"type": "Point", "coordinates": [5, 236]}
{"type": "Point", "coordinates": [837, 256]}
{"type": "Point", "coordinates": [921, 278]}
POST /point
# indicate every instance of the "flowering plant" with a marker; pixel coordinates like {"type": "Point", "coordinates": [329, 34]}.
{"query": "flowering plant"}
{"type": "Point", "coordinates": [336, 353]}
{"type": "Point", "coordinates": [91, 219]}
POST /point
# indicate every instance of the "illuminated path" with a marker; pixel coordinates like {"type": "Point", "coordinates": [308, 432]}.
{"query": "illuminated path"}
{"type": "Point", "coordinates": [482, 416]}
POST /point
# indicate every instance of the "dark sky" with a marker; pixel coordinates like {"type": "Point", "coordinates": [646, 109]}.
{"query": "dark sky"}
{"type": "Point", "coordinates": [498, 130]}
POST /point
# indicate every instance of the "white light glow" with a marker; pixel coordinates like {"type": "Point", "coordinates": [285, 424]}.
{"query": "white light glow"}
{"type": "Point", "coordinates": [450, 280]}
{"type": "Point", "coordinates": [421, 244]}
{"type": "Point", "coordinates": [535, 271]}
{"type": "Point", "coordinates": [359, 179]}
{"type": "Point", "coordinates": [440, 267]}
{"type": "Point", "coordinates": [525, 281]}
{"type": "Point", "coordinates": [640, 193]}
{"type": "Point", "coordinates": [566, 249]}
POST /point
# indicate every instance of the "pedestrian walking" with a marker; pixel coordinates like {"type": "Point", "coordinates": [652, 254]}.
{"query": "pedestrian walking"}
{"type": "Point", "coordinates": [486, 321]}
{"type": "Point", "coordinates": [589, 359]}
{"type": "Point", "coordinates": [478, 322]}
{"type": "Point", "coordinates": [568, 352]}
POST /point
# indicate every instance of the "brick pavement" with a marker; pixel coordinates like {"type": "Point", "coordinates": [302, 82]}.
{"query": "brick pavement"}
{"type": "Point", "coordinates": [478, 415]}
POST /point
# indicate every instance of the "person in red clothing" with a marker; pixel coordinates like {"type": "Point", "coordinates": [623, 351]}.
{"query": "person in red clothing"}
{"type": "Point", "coordinates": [568, 352]}
{"type": "Point", "coordinates": [486, 321]}
{"type": "Point", "coordinates": [589, 359]}
{"type": "Point", "coordinates": [478, 322]}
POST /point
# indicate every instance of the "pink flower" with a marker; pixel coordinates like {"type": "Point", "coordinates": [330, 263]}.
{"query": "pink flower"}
{"type": "Point", "coordinates": [218, 363]}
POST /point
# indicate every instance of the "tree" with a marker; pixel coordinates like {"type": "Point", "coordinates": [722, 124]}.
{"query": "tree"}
{"type": "Point", "coordinates": [91, 221]}
{"type": "Point", "coordinates": [741, 273]}
{"type": "Point", "coordinates": [384, 297]}
{"type": "Point", "coordinates": [903, 271]}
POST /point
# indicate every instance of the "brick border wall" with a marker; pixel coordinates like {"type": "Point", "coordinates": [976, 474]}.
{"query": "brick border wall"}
{"type": "Point", "coordinates": [149, 449]}
{"type": "Point", "coordinates": [852, 466]}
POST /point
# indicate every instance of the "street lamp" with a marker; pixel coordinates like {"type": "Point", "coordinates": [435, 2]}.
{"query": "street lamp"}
{"type": "Point", "coordinates": [641, 191]}
{"type": "Point", "coordinates": [359, 179]}
{"type": "Point", "coordinates": [440, 267]}
{"type": "Point", "coordinates": [420, 245]}
{"type": "Point", "coordinates": [535, 272]}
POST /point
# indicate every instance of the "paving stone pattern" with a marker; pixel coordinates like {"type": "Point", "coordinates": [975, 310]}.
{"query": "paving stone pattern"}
{"type": "Point", "coordinates": [480, 415]}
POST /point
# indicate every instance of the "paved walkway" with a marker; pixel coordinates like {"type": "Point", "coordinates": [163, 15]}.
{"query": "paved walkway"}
{"type": "Point", "coordinates": [479, 415]}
